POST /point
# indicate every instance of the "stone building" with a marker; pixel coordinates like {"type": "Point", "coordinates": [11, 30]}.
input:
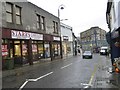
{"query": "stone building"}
{"type": "Point", "coordinates": [29, 34]}
{"type": "Point", "coordinates": [93, 38]}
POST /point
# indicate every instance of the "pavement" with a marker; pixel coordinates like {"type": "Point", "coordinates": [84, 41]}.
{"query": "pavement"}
{"type": "Point", "coordinates": [104, 80]}
{"type": "Point", "coordinates": [25, 68]}
{"type": "Point", "coordinates": [106, 77]}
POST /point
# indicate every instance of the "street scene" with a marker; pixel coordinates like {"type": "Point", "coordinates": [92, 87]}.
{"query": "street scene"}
{"type": "Point", "coordinates": [60, 45]}
{"type": "Point", "coordinates": [73, 72]}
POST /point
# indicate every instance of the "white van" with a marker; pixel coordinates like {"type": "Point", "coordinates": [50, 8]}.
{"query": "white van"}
{"type": "Point", "coordinates": [103, 50]}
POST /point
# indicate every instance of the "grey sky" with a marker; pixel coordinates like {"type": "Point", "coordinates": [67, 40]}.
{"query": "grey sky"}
{"type": "Point", "coordinates": [81, 14]}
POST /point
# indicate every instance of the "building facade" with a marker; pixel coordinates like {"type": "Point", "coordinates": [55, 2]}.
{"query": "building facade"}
{"type": "Point", "coordinates": [67, 40]}
{"type": "Point", "coordinates": [93, 38]}
{"type": "Point", "coordinates": [29, 33]}
{"type": "Point", "coordinates": [113, 21]}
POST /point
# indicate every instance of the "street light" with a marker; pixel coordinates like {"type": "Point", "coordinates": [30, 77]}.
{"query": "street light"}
{"type": "Point", "coordinates": [60, 7]}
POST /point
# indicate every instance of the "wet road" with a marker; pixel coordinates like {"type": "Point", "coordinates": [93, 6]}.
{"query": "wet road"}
{"type": "Point", "coordinates": [72, 72]}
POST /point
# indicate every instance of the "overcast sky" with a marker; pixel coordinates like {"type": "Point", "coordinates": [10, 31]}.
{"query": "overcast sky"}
{"type": "Point", "coordinates": [81, 14]}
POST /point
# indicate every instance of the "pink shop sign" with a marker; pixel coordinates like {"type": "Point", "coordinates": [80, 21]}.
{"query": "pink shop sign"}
{"type": "Point", "coordinates": [25, 35]}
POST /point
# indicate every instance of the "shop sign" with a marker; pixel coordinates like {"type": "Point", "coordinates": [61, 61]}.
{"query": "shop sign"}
{"type": "Point", "coordinates": [35, 36]}
{"type": "Point", "coordinates": [25, 35]}
{"type": "Point", "coordinates": [4, 50]}
{"type": "Point", "coordinates": [56, 38]}
{"type": "Point", "coordinates": [65, 38]}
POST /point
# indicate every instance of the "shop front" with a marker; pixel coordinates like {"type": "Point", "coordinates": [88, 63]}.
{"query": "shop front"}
{"type": "Point", "coordinates": [56, 47]}
{"type": "Point", "coordinates": [115, 35]}
{"type": "Point", "coordinates": [21, 47]}
{"type": "Point", "coordinates": [52, 46]}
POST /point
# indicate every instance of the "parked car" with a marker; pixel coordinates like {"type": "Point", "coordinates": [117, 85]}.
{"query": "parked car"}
{"type": "Point", "coordinates": [87, 54]}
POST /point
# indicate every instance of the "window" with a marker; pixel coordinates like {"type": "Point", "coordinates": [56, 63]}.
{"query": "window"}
{"type": "Point", "coordinates": [40, 22]}
{"type": "Point", "coordinates": [18, 15]}
{"type": "Point", "coordinates": [55, 27]}
{"type": "Point", "coordinates": [9, 12]}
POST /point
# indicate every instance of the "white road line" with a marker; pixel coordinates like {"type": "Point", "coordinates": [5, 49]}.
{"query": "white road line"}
{"type": "Point", "coordinates": [44, 75]}
{"type": "Point", "coordinates": [66, 66]}
{"type": "Point", "coordinates": [34, 80]}
{"type": "Point", "coordinates": [23, 85]}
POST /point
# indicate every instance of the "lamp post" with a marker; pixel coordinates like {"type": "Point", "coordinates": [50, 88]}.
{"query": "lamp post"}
{"type": "Point", "coordinates": [60, 7]}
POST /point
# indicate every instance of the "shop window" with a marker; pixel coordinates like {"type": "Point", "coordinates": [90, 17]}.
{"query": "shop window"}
{"type": "Point", "coordinates": [68, 50]}
{"type": "Point", "coordinates": [47, 50]}
{"type": "Point", "coordinates": [17, 53]}
{"type": "Point", "coordinates": [24, 53]}
{"type": "Point", "coordinates": [17, 50]}
{"type": "Point", "coordinates": [56, 48]}
{"type": "Point", "coordinates": [11, 49]}
{"type": "Point", "coordinates": [40, 50]}
{"type": "Point", "coordinates": [34, 51]}
{"type": "Point", "coordinates": [4, 50]}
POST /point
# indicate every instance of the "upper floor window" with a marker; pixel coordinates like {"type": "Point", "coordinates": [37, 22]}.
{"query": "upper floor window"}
{"type": "Point", "coordinates": [55, 27]}
{"type": "Point", "coordinates": [40, 22]}
{"type": "Point", "coordinates": [9, 12]}
{"type": "Point", "coordinates": [18, 15]}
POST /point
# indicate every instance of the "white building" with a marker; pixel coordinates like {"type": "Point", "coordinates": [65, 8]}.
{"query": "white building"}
{"type": "Point", "coordinates": [67, 40]}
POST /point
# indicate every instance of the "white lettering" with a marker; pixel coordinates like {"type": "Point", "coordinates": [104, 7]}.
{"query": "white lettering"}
{"type": "Point", "coordinates": [25, 35]}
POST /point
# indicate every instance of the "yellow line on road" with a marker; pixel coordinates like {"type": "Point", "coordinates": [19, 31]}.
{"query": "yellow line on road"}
{"type": "Point", "coordinates": [93, 74]}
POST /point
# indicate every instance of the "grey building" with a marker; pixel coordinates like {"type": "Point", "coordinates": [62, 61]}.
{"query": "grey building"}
{"type": "Point", "coordinates": [93, 38]}
{"type": "Point", "coordinates": [29, 33]}
{"type": "Point", "coordinates": [113, 21]}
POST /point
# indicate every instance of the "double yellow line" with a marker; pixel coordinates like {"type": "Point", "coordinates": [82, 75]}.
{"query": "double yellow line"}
{"type": "Point", "coordinates": [93, 74]}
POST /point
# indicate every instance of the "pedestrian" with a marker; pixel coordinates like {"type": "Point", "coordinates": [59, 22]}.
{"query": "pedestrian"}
{"type": "Point", "coordinates": [79, 51]}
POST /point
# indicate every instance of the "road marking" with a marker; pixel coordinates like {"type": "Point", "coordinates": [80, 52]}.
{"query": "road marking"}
{"type": "Point", "coordinates": [44, 75]}
{"type": "Point", "coordinates": [34, 80]}
{"type": "Point", "coordinates": [66, 66]}
{"type": "Point", "coordinates": [91, 78]}
{"type": "Point", "coordinates": [23, 85]}
{"type": "Point", "coordinates": [93, 74]}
